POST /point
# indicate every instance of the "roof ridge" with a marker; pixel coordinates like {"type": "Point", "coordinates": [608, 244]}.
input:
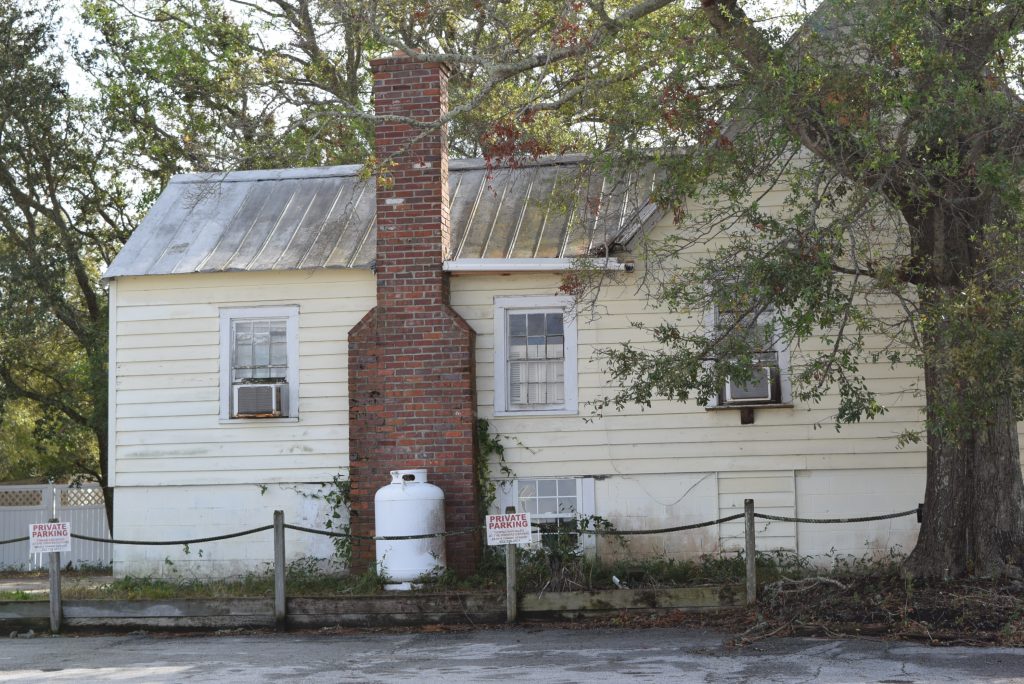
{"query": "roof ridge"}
{"type": "Point", "coordinates": [349, 170]}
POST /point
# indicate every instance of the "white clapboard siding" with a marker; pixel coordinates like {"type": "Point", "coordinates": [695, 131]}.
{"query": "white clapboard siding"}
{"type": "Point", "coordinates": [773, 492]}
{"type": "Point", "coordinates": [166, 402]}
{"type": "Point", "coordinates": [672, 436]}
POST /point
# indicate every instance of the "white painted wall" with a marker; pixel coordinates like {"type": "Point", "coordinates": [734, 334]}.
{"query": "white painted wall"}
{"type": "Point", "coordinates": [165, 400]}
{"type": "Point", "coordinates": [173, 512]}
{"type": "Point", "coordinates": [653, 501]}
{"type": "Point", "coordinates": [672, 437]}
{"type": "Point", "coordinates": [849, 493]}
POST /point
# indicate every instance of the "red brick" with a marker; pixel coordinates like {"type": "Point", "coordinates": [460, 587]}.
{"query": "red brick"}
{"type": "Point", "coordinates": [412, 388]}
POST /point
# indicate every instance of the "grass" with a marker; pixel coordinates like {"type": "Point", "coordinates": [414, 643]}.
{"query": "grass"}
{"type": "Point", "coordinates": [20, 596]}
{"type": "Point", "coordinates": [302, 578]}
{"type": "Point", "coordinates": [552, 568]}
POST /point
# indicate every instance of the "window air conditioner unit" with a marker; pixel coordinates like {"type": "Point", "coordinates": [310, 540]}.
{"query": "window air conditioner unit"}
{"type": "Point", "coordinates": [759, 389]}
{"type": "Point", "coordinates": [253, 400]}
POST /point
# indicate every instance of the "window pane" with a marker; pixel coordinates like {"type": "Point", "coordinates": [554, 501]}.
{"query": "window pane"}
{"type": "Point", "coordinates": [535, 325]}
{"type": "Point", "coordinates": [554, 324]}
{"type": "Point", "coordinates": [517, 382]}
{"type": "Point", "coordinates": [517, 324]}
{"type": "Point", "coordinates": [279, 354]}
{"type": "Point", "coordinates": [547, 504]}
{"type": "Point", "coordinates": [537, 373]}
{"type": "Point", "coordinates": [536, 348]}
{"type": "Point", "coordinates": [547, 487]}
{"type": "Point", "coordinates": [517, 347]}
{"type": "Point", "coordinates": [527, 488]}
{"type": "Point", "coordinates": [556, 393]}
{"type": "Point", "coordinates": [528, 506]}
{"type": "Point", "coordinates": [567, 487]}
{"type": "Point", "coordinates": [243, 350]}
{"type": "Point", "coordinates": [261, 351]}
{"type": "Point", "coordinates": [556, 371]}
{"type": "Point", "coordinates": [556, 347]}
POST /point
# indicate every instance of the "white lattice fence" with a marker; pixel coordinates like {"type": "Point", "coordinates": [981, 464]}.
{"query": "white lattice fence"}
{"type": "Point", "coordinates": [21, 505]}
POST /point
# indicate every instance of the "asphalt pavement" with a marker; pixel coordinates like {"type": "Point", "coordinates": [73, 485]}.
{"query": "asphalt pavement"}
{"type": "Point", "coordinates": [519, 654]}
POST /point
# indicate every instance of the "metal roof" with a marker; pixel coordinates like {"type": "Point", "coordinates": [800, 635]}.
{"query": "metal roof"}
{"type": "Point", "coordinates": [558, 207]}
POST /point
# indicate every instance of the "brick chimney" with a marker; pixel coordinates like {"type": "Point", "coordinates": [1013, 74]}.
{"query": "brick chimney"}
{"type": "Point", "coordinates": [412, 394]}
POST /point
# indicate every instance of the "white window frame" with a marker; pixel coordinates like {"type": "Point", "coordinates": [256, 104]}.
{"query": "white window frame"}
{"type": "Point", "coordinates": [227, 317]}
{"type": "Point", "coordinates": [782, 352]}
{"type": "Point", "coordinates": [535, 304]}
{"type": "Point", "coordinates": [507, 496]}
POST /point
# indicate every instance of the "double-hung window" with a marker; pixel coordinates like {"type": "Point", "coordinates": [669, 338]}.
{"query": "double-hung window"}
{"type": "Point", "coordinates": [534, 356]}
{"type": "Point", "coordinates": [259, 362]}
{"type": "Point", "coordinates": [769, 380]}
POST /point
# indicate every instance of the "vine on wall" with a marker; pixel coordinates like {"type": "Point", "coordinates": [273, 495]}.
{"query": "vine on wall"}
{"type": "Point", "coordinates": [489, 445]}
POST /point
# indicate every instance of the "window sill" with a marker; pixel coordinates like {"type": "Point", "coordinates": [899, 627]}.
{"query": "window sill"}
{"type": "Point", "coordinates": [739, 407]}
{"type": "Point", "coordinates": [257, 421]}
{"type": "Point", "coordinates": [536, 412]}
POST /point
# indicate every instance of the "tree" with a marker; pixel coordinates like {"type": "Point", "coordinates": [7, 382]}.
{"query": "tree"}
{"type": "Point", "coordinates": [62, 214]}
{"type": "Point", "coordinates": [894, 129]}
{"type": "Point", "coordinates": [189, 88]}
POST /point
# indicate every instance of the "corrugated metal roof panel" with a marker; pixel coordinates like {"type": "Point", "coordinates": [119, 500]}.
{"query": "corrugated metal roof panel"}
{"type": "Point", "coordinates": [325, 217]}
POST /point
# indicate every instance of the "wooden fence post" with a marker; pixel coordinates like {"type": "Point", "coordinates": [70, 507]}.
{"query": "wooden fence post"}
{"type": "Point", "coordinates": [511, 597]}
{"type": "Point", "coordinates": [56, 609]}
{"type": "Point", "coordinates": [279, 593]}
{"type": "Point", "coordinates": [751, 552]}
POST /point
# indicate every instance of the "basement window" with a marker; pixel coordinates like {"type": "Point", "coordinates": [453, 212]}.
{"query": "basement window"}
{"type": "Point", "coordinates": [259, 363]}
{"type": "Point", "coordinates": [554, 504]}
{"type": "Point", "coordinates": [534, 356]}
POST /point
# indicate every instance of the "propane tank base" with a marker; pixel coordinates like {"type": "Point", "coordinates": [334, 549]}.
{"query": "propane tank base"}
{"type": "Point", "coordinates": [402, 586]}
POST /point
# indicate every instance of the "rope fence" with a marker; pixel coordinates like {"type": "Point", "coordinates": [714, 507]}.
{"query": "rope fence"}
{"type": "Point", "coordinates": [470, 530]}
{"type": "Point", "coordinates": [511, 601]}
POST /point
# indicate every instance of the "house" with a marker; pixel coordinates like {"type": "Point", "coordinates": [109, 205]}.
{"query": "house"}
{"type": "Point", "coordinates": [270, 330]}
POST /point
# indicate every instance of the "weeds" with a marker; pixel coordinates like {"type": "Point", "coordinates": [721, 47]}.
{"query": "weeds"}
{"type": "Point", "coordinates": [18, 596]}
{"type": "Point", "coordinates": [303, 577]}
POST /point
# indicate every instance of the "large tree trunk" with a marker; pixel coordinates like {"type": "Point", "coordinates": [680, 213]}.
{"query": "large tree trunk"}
{"type": "Point", "coordinates": [974, 501]}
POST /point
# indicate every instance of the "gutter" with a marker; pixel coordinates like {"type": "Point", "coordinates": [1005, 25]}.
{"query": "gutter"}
{"type": "Point", "coordinates": [533, 265]}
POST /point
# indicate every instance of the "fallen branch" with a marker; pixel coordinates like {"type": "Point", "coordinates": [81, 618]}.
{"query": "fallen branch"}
{"type": "Point", "coordinates": [791, 586]}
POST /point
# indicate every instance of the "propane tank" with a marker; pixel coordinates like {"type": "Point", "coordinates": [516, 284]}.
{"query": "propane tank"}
{"type": "Point", "coordinates": [409, 506]}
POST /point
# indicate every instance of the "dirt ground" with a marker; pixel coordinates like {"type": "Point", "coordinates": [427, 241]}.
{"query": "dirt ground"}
{"type": "Point", "coordinates": [973, 613]}
{"type": "Point", "coordinates": [955, 612]}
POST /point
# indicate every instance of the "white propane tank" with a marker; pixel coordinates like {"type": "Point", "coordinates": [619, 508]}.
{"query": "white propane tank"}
{"type": "Point", "coordinates": [409, 506]}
